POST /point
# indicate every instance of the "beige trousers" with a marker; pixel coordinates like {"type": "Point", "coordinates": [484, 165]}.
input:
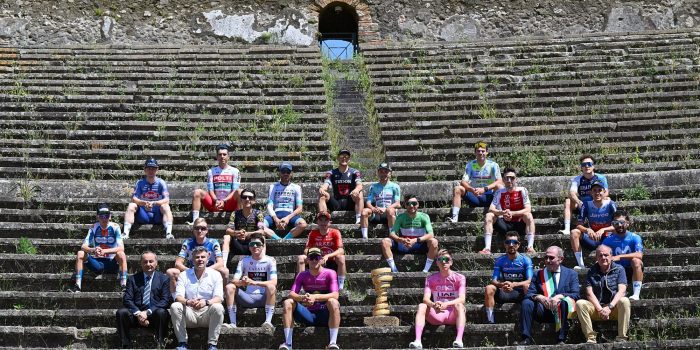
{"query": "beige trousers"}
{"type": "Point", "coordinates": [208, 316]}
{"type": "Point", "coordinates": [586, 314]}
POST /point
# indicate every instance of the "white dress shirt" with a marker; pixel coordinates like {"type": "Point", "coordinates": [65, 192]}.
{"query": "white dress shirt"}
{"type": "Point", "coordinates": [209, 286]}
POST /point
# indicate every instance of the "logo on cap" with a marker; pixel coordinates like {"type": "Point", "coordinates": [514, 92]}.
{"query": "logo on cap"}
{"type": "Point", "coordinates": [314, 251]}
{"type": "Point", "coordinates": [344, 151]}
{"type": "Point", "coordinates": [151, 163]}
{"type": "Point", "coordinates": [286, 166]}
{"type": "Point", "coordinates": [384, 166]}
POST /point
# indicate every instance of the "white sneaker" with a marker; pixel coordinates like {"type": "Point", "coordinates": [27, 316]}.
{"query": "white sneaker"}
{"type": "Point", "coordinates": [125, 236]}
{"type": "Point", "coordinates": [357, 220]}
{"type": "Point", "coordinates": [452, 219]}
{"type": "Point", "coordinates": [633, 297]}
{"type": "Point", "coordinates": [229, 326]}
{"type": "Point", "coordinates": [563, 232]}
{"type": "Point", "coordinates": [268, 327]}
{"type": "Point", "coordinates": [578, 267]}
{"type": "Point", "coordinates": [415, 345]}
{"type": "Point", "coordinates": [284, 346]}
{"type": "Point", "coordinates": [169, 236]}
{"type": "Point", "coordinates": [457, 344]}
{"type": "Point", "coordinates": [333, 346]}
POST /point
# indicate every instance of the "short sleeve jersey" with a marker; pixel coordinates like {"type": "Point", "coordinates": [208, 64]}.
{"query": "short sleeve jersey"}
{"type": "Point", "coordinates": [105, 238]}
{"type": "Point", "coordinates": [257, 270]}
{"type": "Point", "coordinates": [223, 181]}
{"type": "Point", "coordinates": [151, 191]}
{"type": "Point", "coordinates": [189, 244]}
{"type": "Point", "coordinates": [517, 199]}
{"type": "Point", "coordinates": [480, 176]}
{"type": "Point", "coordinates": [418, 226]}
{"type": "Point", "coordinates": [342, 183]}
{"type": "Point", "coordinates": [384, 195]}
{"type": "Point", "coordinates": [284, 198]}
{"type": "Point", "coordinates": [582, 186]}
{"type": "Point", "coordinates": [445, 288]}
{"type": "Point", "coordinates": [516, 270]}
{"type": "Point", "coordinates": [630, 243]}
{"type": "Point", "coordinates": [250, 223]}
{"type": "Point", "coordinates": [326, 282]}
{"type": "Point", "coordinates": [327, 243]}
{"type": "Point", "coordinates": [597, 217]}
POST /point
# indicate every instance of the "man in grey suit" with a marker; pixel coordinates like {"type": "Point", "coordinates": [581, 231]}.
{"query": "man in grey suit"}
{"type": "Point", "coordinates": [146, 301]}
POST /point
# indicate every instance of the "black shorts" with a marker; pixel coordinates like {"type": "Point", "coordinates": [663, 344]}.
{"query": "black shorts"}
{"type": "Point", "coordinates": [378, 219]}
{"type": "Point", "coordinates": [331, 264]}
{"type": "Point", "coordinates": [503, 226]}
{"type": "Point", "coordinates": [628, 273]}
{"type": "Point", "coordinates": [239, 247]}
{"type": "Point", "coordinates": [514, 296]}
{"type": "Point", "coordinates": [341, 203]}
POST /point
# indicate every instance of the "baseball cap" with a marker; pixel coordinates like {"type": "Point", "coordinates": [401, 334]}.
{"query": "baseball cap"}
{"type": "Point", "coordinates": [344, 151]}
{"type": "Point", "coordinates": [314, 251]}
{"type": "Point", "coordinates": [285, 166]}
{"type": "Point", "coordinates": [223, 146]}
{"type": "Point", "coordinates": [151, 163]}
{"type": "Point", "coordinates": [102, 209]}
{"type": "Point", "coordinates": [384, 166]}
{"type": "Point", "coordinates": [597, 183]}
{"type": "Point", "coordinates": [323, 214]}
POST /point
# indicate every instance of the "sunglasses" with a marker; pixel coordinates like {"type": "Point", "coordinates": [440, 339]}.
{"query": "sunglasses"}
{"type": "Point", "coordinates": [314, 257]}
{"type": "Point", "coordinates": [586, 164]}
{"type": "Point", "coordinates": [248, 197]}
{"type": "Point", "coordinates": [512, 242]}
{"type": "Point", "coordinates": [222, 155]}
{"type": "Point", "coordinates": [285, 171]}
{"type": "Point", "coordinates": [255, 244]}
{"type": "Point", "coordinates": [618, 222]}
{"type": "Point", "coordinates": [509, 178]}
{"type": "Point", "coordinates": [444, 259]}
{"type": "Point", "coordinates": [201, 228]}
{"type": "Point", "coordinates": [103, 216]}
{"type": "Point", "coordinates": [549, 257]}
{"type": "Point", "coordinates": [412, 204]}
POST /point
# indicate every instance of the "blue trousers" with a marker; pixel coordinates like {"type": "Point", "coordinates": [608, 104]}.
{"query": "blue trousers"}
{"type": "Point", "coordinates": [530, 309]}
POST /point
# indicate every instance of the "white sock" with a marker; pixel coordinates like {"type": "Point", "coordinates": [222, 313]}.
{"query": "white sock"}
{"type": "Point", "coordinates": [341, 282]}
{"type": "Point", "coordinates": [288, 336]}
{"type": "Point", "coordinates": [357, 218]}
{"type": "Point", "coordinates": [225, 256]}
{"type": "Point", "coordinates": [364, 232]}
{"type": "Point", "coordinates": [579, 259]}
{"type": "Point", "coordinates": [195, 215]}
{"type": "Point", "coordinates": [232, 313]}
{"type": "Point", "coordinates": [636, 288]}
{"type": "Point", "coordinates": [455, 213]}
{"type": "Point", "coordinates": [567, 226]}
{"type": "Point", "coordinates": [530, 239]}
{"type": "Point", "coordinates": [391, 263]}
{"type": "Point", "coordinates": [127, 228]}
{"type": "Point", "coordinates": [168, 227]}
{"type": "Point", "coordinates": [428, 264]}
{"type": "Point", "coordinates": [489, 314]}
{"type": "Point", "coordinates": [487, 240]}
{"type": "Point", "coordinates": [269, 312]}
{"type": "Point", "coordinates": [333, 335]}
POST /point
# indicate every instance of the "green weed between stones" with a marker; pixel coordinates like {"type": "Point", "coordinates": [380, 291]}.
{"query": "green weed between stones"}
{"type": "Point", "coordinates": [25, 246]}
{"type": "Point", "coordinates": [638, 192]}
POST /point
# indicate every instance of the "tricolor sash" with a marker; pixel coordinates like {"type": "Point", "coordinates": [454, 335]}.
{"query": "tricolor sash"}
{"type": "Point", "coordinates": [546, 279]}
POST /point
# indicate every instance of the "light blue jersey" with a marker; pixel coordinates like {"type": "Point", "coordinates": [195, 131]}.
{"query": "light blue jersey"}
{"type": "Point", "coordinates": [384, 195]}
{"type": "Point", "coordinates": [630, 243]}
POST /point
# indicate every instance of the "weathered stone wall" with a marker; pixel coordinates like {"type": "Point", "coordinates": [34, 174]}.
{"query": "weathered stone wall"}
{"type": "Point", "coordinates": [179, 22]}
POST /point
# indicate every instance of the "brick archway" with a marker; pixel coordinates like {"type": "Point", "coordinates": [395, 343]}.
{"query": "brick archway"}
{"type": "Point", "coordinates": [367, 29]}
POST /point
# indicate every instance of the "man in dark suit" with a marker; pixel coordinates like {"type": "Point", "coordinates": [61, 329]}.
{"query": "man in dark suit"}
{"type": "Point", "coordinates": [551, 297]}
{"type": "Point", "coordinates": [145, 309]}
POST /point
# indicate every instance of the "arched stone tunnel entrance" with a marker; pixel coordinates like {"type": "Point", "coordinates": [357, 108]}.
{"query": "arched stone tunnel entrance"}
{"type": "Point", "coordinates": [337, 28]}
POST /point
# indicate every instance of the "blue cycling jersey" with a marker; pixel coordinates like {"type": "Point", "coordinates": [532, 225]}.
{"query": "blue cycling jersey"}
{"type": "Point", "coordinates": [384, 195]}
{"type": "Point", "coordinates": [597, 217]}
{"type": "Point", "coordinates": [105, 238]}
{"type": "Point", "coordinates": [211, 244]}
{"type": "Point", "coordinates": [582, 186]}
{"type": "Point", "coordinates": [516, 270]}
{"type": "Point", "coordinates": [151, 191]}
{"type": "Point", "coordinates": [630, 243]}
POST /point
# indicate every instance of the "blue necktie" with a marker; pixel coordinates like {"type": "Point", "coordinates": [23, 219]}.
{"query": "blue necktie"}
{"type": "Point", "coordinates": [147, 292]}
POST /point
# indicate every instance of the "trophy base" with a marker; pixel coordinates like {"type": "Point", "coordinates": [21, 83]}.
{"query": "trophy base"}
{"type": "Point", "coordinates": [382, 321]}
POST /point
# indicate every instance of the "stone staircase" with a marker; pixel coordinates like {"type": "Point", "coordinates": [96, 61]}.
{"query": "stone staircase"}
{"type": "Point", "coordinates": [58, 106]}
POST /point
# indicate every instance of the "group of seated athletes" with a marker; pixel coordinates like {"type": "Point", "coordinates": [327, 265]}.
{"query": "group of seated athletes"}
{"type": "Point", "coordinates": [195, 290]}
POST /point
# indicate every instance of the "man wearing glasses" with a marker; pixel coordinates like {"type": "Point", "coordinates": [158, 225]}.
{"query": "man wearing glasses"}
{"type": "Point", "coordinates": [346, 184]}
{"type": "Point", "coordinates": [628, 251]}
{"type": "Point", "coordinates": [512, 273]}
{"type": "Point", "coordinates": [284, 204]}
{"type": "Point", "coordinates": [102, 250]}
{"type": "Point", "coordinates": [551, 297]}
{"type": "Point", "coordinates": [580, 189]}
{"type": "Point", "coordinates": [444, 296]}
{"type": "Point", "coordinates": [412, 233]}
{"type": "Point", "coordinates": [383, 199]}
{"type": "Point", "coordinates": [254, 283]}
{"type": "Point", "coordinates": [330, 242]}
{"type": "Point", "coordinates": [185, 258]}
{"type": "Point", "coordinates": [599, 215]}
{"type": "Point", "coordinates": [318, 307]}
{"type": "Point", "coordinates": [150, 202]}
{"type": "Point", "coordinates": [243, 223]}
{"type": "Point", "coordinates": [223, 181]}
{"type": "Point", "coordinates": [511, 205]}
{"type": "Point", "coordinates": [200, 292]}
{"type": "Point", "coordinates": [481, 177]}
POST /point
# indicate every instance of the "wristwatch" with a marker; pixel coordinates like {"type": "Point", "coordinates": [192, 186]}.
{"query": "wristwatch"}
{"type": "Point", "coordinates": [486, 188]}
{"type": "Point", "coordinates": [206, 302]}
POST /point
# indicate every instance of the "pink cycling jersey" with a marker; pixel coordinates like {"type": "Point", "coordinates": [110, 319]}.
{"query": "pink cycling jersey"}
{"type": "Point", "coordinates": [446, 288]}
